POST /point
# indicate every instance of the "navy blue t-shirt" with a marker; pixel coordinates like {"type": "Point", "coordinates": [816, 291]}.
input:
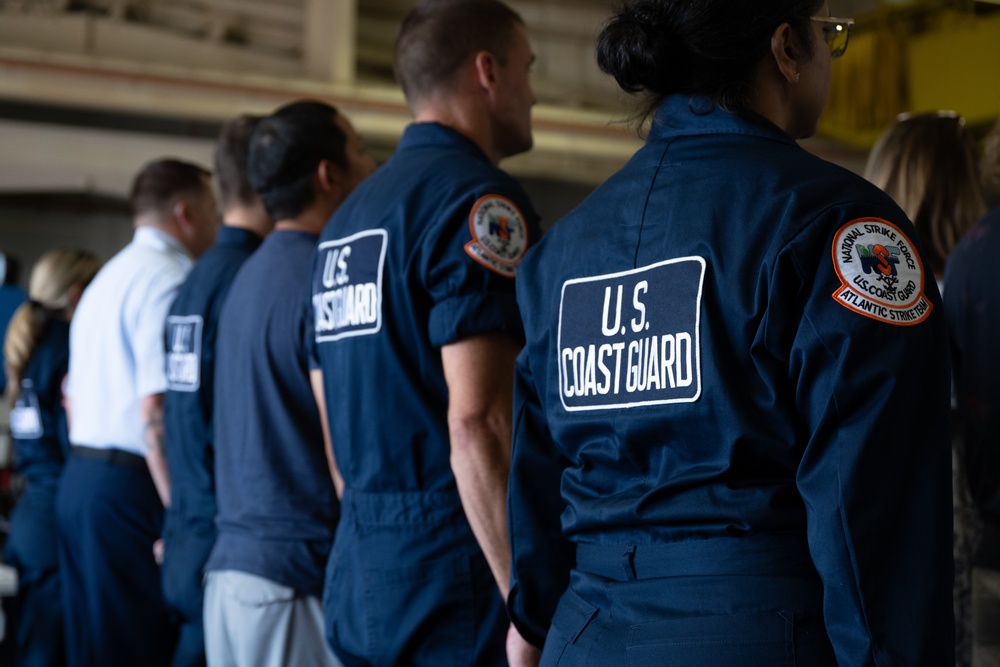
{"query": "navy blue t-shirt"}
{"type": "Point", "coordinates": [191, 330]}
{"type": "Point", "coordinates": [277, 506]}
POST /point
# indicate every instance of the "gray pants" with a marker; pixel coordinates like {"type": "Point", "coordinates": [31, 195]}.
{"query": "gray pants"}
{"type": "Point", "coordinates": [254, 622]}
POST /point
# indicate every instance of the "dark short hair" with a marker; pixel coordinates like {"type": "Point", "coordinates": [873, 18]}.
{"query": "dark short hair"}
{"type": "Point", "coordinates": [706, 48]}
{"type": "Point", "coordinates": [438, 36]}
{"type": "Point", "coordinates": [230, 159]}
{"type": "Point", "coordinates": [285, 149]}
{"type": "Point", "coordinates": [160, 182]}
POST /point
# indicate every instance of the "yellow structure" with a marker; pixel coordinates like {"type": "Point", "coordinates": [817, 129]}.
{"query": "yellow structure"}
{"type": "Point", "coordinates": [957, 66]}
{"type": "Point", "coordinates": [916, 63]}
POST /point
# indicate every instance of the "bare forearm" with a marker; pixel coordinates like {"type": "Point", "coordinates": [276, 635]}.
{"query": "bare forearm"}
{"type": "Point", "coordinates": [480, 460]}
{"type": "Point", "coordinates": [331, 463]}
{"type": "Point", "coordinates": [155, 436]}
{"type": "Point", "coordinates": [479, 372]}
{"type": "Point", "coordinates": [316, 381]}
{"type": "Point", "coordinates": [68, 408]}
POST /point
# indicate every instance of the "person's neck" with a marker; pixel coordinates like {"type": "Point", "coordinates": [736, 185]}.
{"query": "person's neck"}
{"type": "Point", "coordinates": [767, 102]}
{"type": "Point", "coordinates": [150, 221]}
{"type": "Point", "coordinates": [250, 218]}
{"type": "Point", "coordinates": [311, 221]}
{"type": "Point", "coordinates": [471, 123]}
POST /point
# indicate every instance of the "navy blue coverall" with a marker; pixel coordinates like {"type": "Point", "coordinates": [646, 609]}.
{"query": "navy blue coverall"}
{"type": "Point", "coordinates": [35, 624]}
{"type": "Point", "coordinates": [422, 254]}
{"type": "Point", "coordinates": [731, 437]}
{"type": "Point", "coordinates": [189, 523]}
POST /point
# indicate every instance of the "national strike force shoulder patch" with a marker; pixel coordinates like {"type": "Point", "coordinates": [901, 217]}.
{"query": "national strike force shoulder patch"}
{"type": "Point", "coordinates": [880, 272]}
{"type": "Point", "coordinates": [499, 234]}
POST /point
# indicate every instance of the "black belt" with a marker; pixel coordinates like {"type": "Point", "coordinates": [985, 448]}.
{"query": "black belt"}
{"type": "Point", "coordinates": [713, 556]}
{"type": "Point", "coordinates": [117, 457]}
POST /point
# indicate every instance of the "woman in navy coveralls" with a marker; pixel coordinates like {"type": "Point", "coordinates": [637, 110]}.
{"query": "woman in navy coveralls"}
{"type": "Point", "coordinates": [731, 437]}
{"type": "Point", "coordinates": [36, 353]}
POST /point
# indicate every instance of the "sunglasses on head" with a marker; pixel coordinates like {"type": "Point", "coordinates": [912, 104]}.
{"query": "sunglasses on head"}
{"type": "Point", "coordinates": [946, 115]}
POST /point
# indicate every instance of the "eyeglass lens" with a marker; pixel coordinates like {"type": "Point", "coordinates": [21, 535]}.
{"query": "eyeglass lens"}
{"type": "Point", "coordinates": [837, 36]}
{"type": "Point", "coordinates": [836, 32]}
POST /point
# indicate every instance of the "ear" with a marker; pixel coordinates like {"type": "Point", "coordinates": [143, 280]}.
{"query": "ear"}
{"type": "Point", "coordinates": [328, 176]}
{"type": "Point", "coordinates": [787, 53]}
{"type": "Point", "coordinates": [181, 213]}
{"type": "Point", "coordinates": [485, 66]}
{"type": "Point", "coordinates": [74, 292]}
{"type": "Point", "coordinates": [185, 220]}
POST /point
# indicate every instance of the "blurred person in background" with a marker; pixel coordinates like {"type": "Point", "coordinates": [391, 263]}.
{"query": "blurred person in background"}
{"type": "Point", "coordinates": [189, 524]}
{"type": "Point", "coordinates": [927, 164]}
{"type": "Point", "coordinates": [278, 508]}
{"type": "Point", "coordinates": [972, 304]}
{"type": "Point", "coordinates": [36, 360]}
{"type": "Point", "coordinates": [111, 496]}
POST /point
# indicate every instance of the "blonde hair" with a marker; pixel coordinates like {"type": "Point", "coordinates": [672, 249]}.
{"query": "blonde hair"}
{"type": "Point", "coordinates": [927, 164]}
{"type": "Point", "coordinates": [49, 292]}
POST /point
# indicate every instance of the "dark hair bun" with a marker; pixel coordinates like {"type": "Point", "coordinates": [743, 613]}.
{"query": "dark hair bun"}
{"type": "Point", "coordinates": [707, 48]}
{"type": "Point", "coordinates": [637, 48]}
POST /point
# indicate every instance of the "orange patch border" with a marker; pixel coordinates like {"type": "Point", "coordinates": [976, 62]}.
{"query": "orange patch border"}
{"type": "Point", "coordinates": [845, 285]}
{"type": "Point", "coordinates": [476, 242]}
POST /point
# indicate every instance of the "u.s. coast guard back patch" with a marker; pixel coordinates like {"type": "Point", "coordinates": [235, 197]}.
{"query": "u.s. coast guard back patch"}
{"type": "Point", "coordinates": [184, 353]}
{"type": "Point", "coordinates": [347, 285]}
{"type": "Point", "coordinates": [499, 234]}
{"type": "Point", "coordinates": [880, 272]}
{"type": "Point", "coordinates": [632, 339]}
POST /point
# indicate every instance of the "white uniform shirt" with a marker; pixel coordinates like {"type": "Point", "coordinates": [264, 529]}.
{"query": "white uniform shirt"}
{"type": "Point", "coordinates": [116, 341]}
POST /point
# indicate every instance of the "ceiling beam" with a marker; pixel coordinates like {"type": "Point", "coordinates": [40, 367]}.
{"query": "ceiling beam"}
{"type": "Point", "coordinates": [575, 145]}
{"type": "Point", "coordinates": [330, 40]}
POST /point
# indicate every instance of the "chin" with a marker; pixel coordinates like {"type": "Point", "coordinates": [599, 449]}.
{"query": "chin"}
{"type": "Point", "coordinates": [515, 141]}
{"type": "Point", "coordinates": [803, 130]}
{"type": "Point", "coordinates": [522, 145]}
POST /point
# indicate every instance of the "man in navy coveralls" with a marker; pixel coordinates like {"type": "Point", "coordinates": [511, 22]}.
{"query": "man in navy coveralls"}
{"type": "Point", "coordinates": [277, 506]}
{"type": "Point", "coordinates": [189, 524]}
{"type": "Point", "coordinates": [416, 330]}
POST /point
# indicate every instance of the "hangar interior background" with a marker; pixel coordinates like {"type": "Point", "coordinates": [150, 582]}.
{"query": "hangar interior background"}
{"type": "Point", "coordinates": [92, 89]}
